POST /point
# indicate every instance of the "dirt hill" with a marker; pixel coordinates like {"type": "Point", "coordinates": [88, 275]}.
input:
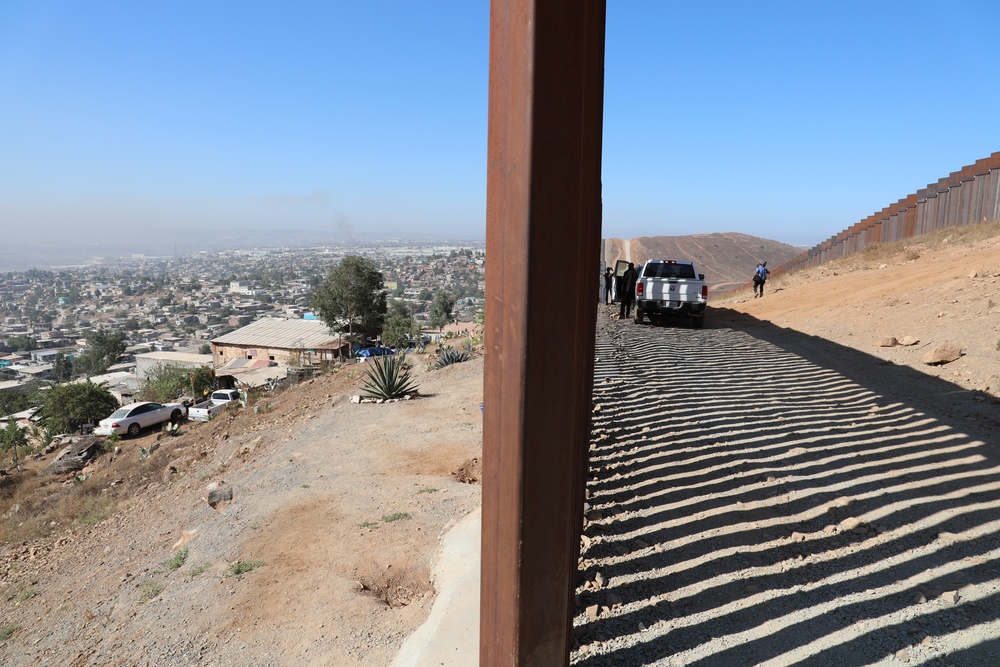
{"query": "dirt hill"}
{"type": "Point", "coordinates": [726, 259]}
{"type": "Point", "coordinates": [939, 289]}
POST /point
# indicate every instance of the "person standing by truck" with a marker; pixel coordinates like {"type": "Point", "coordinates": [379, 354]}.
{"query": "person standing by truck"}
{"type": "Point", "coordinates": [609, 276]}
{"type": "Point", "coordinates": [627, 294]}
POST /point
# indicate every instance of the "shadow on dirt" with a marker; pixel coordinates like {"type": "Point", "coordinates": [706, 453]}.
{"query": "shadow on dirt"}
{"type": "Point", "coordinates": [758, 495]}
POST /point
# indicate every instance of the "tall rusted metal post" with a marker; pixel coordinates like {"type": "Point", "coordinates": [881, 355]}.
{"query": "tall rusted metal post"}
{"type": "Point", "coordinates": [543, 230]}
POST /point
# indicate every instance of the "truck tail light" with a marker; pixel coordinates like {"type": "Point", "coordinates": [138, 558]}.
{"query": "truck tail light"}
{"type": "Point", "coordinates": [704, 292]}
{"type": "Point", "coordinates": [638, 289]}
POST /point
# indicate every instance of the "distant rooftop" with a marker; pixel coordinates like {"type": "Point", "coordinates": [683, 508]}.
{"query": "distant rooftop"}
{"type": "Point", "coordinates": [283, 334]}
{"type": "Point", "coordinates": [177, 356]}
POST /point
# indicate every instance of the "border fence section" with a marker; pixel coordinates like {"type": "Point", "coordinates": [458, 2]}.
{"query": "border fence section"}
{"type": "Point", "coordinates": [964, 197]}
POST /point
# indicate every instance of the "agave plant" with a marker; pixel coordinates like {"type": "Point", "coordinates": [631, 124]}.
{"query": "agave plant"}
{"type": "Point", "coordinates": [447, 356]}
{"type": "Point", "coordinates": [387, 377]}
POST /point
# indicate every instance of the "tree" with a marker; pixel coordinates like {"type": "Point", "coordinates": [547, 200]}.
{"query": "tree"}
{"type": "Point", "coordinates": [12, 437]}
{"type": "Point", "coordinates": [399, 325]}
{"type": "Point", "coordinates": [62, 368]}
{"type": "Point", "coordinates": [441, 309]}
{"type": "Point", "coordinates": [165, 383]}
{"type": "Point", "coordinates": [67, 407]}
{"type": "Point", "coordinates": [351, 296]}
{"type": "Point", "coordinates": [103, 350]}
{"type": "Point", "coordinates": [22, 343]}
{"type": "Point", "coordinates": [14, 401]}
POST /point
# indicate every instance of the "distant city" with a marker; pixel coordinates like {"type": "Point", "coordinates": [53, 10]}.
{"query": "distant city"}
{"type": "Point", "coordinates": [21, 251]}
{"type": "Point", "coordinates": [180, 304]}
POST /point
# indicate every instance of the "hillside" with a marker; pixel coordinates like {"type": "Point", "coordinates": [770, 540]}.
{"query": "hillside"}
{"type": "Point", "coordinates": [726, 259]}
{"type": "Point", "coordinates": [342, 505]}
{"type": "Point", "coordinates": [936, 289]}
{"type": "Point", "coordinates": [322, 557]}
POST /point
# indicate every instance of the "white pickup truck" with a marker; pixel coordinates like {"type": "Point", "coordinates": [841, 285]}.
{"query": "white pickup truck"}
{"type": "Point", "coordinates": [205, 410]}
{"type": "Point", "coordinates": [671, 287]}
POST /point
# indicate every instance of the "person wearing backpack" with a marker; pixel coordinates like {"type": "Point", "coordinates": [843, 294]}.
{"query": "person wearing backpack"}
{"type": "Point", "coordinates": [759, 278]}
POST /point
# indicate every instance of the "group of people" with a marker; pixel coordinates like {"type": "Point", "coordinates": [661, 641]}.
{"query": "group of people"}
{"type": "Point", "coordinates": [626, 289]}
{"type": "Point", "coordinates": [628, 279]}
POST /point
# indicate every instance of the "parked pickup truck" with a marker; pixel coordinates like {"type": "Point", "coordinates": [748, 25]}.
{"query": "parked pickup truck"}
{"type": "Point", "coordinates": [671, 287]}
{"type": "Point", "coordinates": [202, 411]}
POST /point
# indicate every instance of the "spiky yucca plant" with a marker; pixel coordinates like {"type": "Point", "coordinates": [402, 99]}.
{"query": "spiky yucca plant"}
{"type": "Point", "coordinates": [387, 377]}
{"type": "Point", "coordinates": [447, 356]}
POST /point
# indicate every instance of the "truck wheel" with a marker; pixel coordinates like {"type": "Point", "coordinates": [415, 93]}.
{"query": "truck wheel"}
{"type": "Point", "coordinates": [175, 416]}
{"type": "Point", "coordinates": [638, 316]}
{"type": "Point", "coordinates": [697, 321]}
{"type": "Point", "coordinates": [133, 429]}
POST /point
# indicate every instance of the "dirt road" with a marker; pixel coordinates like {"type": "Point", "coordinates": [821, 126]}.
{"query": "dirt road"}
{"type": "Point", "coordinates": [761, 497]}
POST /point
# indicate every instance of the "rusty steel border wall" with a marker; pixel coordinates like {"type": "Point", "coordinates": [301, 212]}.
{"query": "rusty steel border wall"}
{"type": "Point", "coordinates": [964, 197]}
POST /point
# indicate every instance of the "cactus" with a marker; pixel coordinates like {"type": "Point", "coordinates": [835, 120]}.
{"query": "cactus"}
{"type": "Point", "coordinates": [448, 356]}
{"type": "Point", "coordinates": [146, 453]}
{"type": "Point", "coordinates": [387, 378]}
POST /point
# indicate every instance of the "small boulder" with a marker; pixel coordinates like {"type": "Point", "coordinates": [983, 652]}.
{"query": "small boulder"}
{"type": "Point", "coordinates": [944, 353]}
{"type": "Point", "coordinates": [908, 341]}
{"type": "Point", "coordinates": [888, 342]}
{"type": "Point", "coordinates": [219, 494]}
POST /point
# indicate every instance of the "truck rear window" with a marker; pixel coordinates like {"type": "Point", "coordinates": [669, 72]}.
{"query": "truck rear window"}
{"type": "Point", "coordinates": [662, 270]}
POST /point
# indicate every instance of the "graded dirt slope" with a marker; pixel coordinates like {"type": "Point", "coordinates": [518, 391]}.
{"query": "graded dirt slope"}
{"type": "Point", "coordinates": [944, 289]}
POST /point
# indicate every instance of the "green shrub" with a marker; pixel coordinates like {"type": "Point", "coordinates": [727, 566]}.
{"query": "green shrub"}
{"type": "Point", "coordinates": [178, 560]}
{"type": "Point", "coordinates": [387, 377]}
{"type": "Point", "coordinates": [150, 589]}
{"type": "Point", "coordinates": [241, 567]}
{"type": "Point", "coordinates": [448, 356]}
{"type": "Point", "coordinates": [6, 630]}
{"type": "Point", "coordinates": [199, 568]}
{"type": "Point", "coordinates": [27, 594]}
{"type": "Point", "coordinates": [396, 516]}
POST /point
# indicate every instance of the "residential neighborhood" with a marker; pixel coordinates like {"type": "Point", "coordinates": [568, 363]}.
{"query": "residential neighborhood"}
{"type": "Point", "coordinates": [246, 314]}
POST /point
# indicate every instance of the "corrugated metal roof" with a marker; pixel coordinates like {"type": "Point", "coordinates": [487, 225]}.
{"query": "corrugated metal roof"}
{"type": "Point", "coordinates": [282, 334]}
{"type": "Point", "coordinates": [189, 357]}
{"type": "Point", "coordinates": [260, 376]}
{"type": "Point", "coordinates": [235, 366]}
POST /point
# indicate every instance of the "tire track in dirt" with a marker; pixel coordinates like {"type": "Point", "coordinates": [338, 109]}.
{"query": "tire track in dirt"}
{"type": "Point", "coordinates": [747, 506]}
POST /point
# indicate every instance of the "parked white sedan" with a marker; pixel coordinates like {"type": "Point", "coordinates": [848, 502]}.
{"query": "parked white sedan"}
{"type": "Point", "coordinates": [133, 418]}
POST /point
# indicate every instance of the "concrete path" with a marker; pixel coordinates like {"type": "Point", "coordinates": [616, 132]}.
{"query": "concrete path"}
{"type": "Point", "coordinates": [450, 635]}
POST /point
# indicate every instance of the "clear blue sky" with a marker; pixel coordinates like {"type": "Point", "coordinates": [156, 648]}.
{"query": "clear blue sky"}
{"type": "Point", "coordinates": [786, 120]}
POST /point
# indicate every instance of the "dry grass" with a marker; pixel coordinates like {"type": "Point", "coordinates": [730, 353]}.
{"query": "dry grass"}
{"type": "Point", "coordinates": [391, 590]}
{"type": "Point", "coordinates": [909, 249]}
{"type": "Point", "coordinates": [37, 506]}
